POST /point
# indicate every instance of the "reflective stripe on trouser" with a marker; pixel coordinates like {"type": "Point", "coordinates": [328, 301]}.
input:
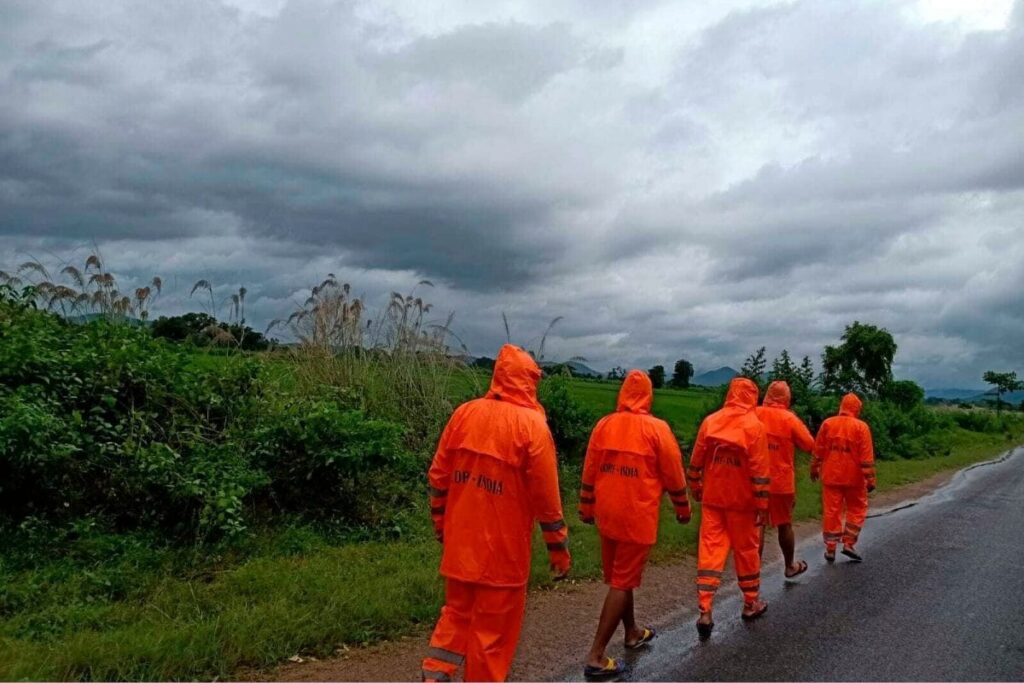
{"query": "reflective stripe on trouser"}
{"type": "Point", "coordinates": [833, 501]}
{"type": "Point", "coordinates": [480, 625]}
{"type": "Point", "coordinates": [720, 531]}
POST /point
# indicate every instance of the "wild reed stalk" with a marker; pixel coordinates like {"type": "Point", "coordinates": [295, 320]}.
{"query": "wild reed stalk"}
{"type": "Point", "coordinates": [80, 291]}
{"type": "Point", "coordinates": [398, 365]}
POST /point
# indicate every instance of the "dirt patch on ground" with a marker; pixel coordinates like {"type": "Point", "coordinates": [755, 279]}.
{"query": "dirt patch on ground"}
{"type": "Point", "coordinates": [559, 622]}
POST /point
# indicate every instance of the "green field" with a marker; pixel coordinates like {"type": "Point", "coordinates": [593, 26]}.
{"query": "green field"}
{"type": "Point", "coordinates": [681, 408]}
{"type": "Point", "coordinates": [132, 607]}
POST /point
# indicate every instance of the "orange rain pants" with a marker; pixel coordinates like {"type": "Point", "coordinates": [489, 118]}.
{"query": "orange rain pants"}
{"type": "Point", "coordinates": [480, 626]}
{"type": "Point", "coordinates": [720, 530]}
{"type": "Point", "coordinates": [833, 499]}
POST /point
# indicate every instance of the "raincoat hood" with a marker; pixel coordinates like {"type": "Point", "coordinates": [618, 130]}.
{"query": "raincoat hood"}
{"type": "Point", "coordinates": [850, 405]}
{"type": "Point", "coordinates": [742, 394]}
{"type": "Point", "coordinates": [515, 379]}
{"type": "Point", "coordinates": [636, 394]}
{"type": "Point", "coordinates": [778, 395]}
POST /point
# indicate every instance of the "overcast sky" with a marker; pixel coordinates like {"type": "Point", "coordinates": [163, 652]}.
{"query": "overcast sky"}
{"type": "Point", "coordinates": [676, 179]}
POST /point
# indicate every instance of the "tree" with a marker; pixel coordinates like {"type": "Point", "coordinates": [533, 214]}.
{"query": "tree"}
{"type": "Point", "coordinates": [903, 393]}
{"type": "Point", "coordinates": [1004, 382]}
{"type": "Point", "coordinates": [182, 327]}
{"type": "Point", "coordinates": [87, 291]}
{"type": "Point", "coordinates": [783, 369]}
{"type": "Point", "coordinates": [862, 362]}
{"type": "Point", "coordinates": [754, 366]}
{"type": "Point", "coordinates": [618, 372]}
{"type": "Point", "coordinates": [484, 363]}
{"type": "Point", "coordinates": [204, 330]}
{"type": "Point", "coordinates": [682, 374]}
{"type": "Point", "coordinates": [805, 373]}
{"type": "Point", "coordinates": [657, 374]}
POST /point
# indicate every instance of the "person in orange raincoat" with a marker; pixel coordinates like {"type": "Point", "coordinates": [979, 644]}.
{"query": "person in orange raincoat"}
{"type": "Point", "coordinates": [493, 476]}
{"type": "Point", "coordinates": [844, 460]}
{"type": "Point", "coordinates": [632, 459]}
{"type": "Point", "coordinates": [729, 474]}
{"type": "Point", "coordinates": [785, 430]}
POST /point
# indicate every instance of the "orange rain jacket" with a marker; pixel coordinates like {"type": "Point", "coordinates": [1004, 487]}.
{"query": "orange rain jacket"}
{"type": "Point", "coordinates": [494, 473]}
{"type": "Point", "coordinates": [844, 454]}
{"type": "Point", "coordinates": [730, 467]}
{"type": "Point", "coordinates": [633, 458]}
{"type": "Point", "coordinates": [784, 430]}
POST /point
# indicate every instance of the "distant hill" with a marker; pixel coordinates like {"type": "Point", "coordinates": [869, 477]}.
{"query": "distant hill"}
{"type": "Point", "coordinates": [950, 394]}
{"type": "Point", "coordinates": [1014, 397]}
{"type": "Point", "coordinates": [714, 378]}
{"type": "Point", "coordinates": [973, 395]}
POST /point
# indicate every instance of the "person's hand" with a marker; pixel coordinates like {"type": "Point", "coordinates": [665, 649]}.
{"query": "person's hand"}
{"type": "Point", "coordinates": [683, 519]}
{"type": "Point", "coordinates": [698, 494]}
{"type": "Point", "coordinates": [585, 519]}
{"type": "Point", "coordinates": [439, 535]}
{"type": "Point", "coordinates": [760, 518]}
{"type": "Point", "coordinates": [871, 488]}
{"type": "Point", "coordinates": [560, 567]}
{"type": "Point", "coordinates": [815, 476]}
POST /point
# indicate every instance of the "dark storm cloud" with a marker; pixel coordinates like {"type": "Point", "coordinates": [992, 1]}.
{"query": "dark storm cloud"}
{"type": "Point", "coordinates": [674, 179]}
{"type": "Point", "coordinates": [302, 142]}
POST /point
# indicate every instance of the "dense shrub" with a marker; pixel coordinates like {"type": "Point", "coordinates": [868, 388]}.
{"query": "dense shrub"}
{"type": "Point", "coordinates": [102, 421]}
{"type": "Point", "coordinates": [570, 421]}
{"type": "Point", "coordinates": [978, 420]}
{"type": "Point", "coordinates": [315, 449]}
{"type": "Point", "coordinates": [902, 432]}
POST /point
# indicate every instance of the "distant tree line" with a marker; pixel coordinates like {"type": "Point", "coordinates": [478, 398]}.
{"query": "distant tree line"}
{"type": "Point", "coordinates": [202, 329]}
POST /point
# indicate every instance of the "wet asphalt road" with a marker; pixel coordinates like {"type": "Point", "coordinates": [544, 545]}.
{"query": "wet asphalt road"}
{"type": "Point", "coordinates": [939, 597]}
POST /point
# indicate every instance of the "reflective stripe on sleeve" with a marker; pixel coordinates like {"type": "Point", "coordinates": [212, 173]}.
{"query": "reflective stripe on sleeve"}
{"type": "Point", "coordinates": [443, 655]}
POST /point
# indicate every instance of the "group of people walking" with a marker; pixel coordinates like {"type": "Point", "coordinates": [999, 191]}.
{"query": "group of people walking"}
{"type": "Point", "coordinates": [494, 475]}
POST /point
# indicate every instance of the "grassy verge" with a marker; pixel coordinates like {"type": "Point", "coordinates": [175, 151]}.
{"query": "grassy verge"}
{"type": "Point", "coordinates": [115, 607]}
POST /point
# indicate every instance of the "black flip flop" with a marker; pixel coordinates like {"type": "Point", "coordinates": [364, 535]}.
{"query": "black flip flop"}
{"type": "Point", "coordinates": [612, 668]}
{"type": "Point", "coordinates": [830, 556]}
{"type": "Point", "coordinates": [646, 638]}
{"type": "Point", "coordinates": [704, 630]}
{"type": "Point", "coordinates": [850, 553]}
{"type": "Point", "coordinates": [756, 615]}
{"type": "Point", "coordinates": [803, 568]}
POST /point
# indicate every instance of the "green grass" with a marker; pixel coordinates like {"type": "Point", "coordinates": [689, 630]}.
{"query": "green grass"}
{"type": "Point", "coordinates": [125, 607]}
{"type": "Point", "coordinates": [681, 408]}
